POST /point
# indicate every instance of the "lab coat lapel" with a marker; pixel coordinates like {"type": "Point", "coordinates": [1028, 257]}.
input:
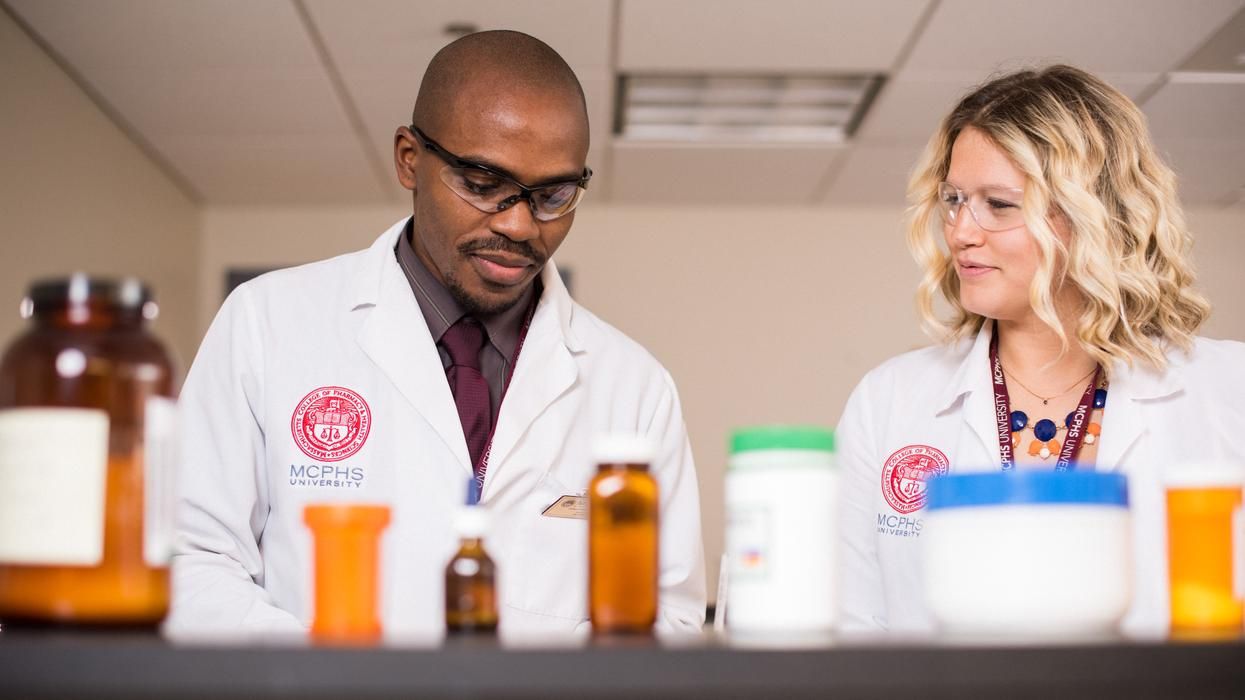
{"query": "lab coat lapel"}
{"type": "Point", "coordinates": [396, 337]}
{"type": "Point", "coordinates": [546, 369]}
{"type": "Point", "coordinates": [1124, 417]}
{"type": "Point", "coordinates": [972, 382]}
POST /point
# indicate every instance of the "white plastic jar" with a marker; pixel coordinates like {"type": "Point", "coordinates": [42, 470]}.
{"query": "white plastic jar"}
{"type": "Point", "coordinates": [781, 487]}
{"type": "Point", "coordinates": [1028, 554]}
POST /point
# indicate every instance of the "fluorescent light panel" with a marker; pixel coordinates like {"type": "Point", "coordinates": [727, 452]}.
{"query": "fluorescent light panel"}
{"type": "Point", "coordinates": [751, 109]}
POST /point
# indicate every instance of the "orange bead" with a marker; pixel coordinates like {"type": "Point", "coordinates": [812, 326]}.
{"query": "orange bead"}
{"type": "Point", "coordinates": [1015, 440]}
{"type": "Point", "coordinates": [1094, 429]}
{"type": "Point", "coordinates": [1035, 447]}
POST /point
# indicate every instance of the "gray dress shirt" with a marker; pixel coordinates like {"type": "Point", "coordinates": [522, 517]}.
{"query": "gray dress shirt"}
{"type": "Point", "coordinates": [441, 311]}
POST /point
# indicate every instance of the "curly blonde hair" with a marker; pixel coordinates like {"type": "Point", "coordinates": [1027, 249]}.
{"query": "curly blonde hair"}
{"type": "Point", "coordinates": [1087, 157]}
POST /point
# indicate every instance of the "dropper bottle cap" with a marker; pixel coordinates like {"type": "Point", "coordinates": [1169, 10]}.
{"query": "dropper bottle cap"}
{"type": "Point", "coordinates": [472, 520]}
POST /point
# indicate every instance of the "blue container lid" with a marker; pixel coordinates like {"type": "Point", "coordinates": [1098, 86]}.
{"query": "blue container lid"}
{"type": "Point", "coordinates": [1027, 487]}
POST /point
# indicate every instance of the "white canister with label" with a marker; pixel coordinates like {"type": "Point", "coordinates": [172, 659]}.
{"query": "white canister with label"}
{"type": "Point", "coordinates": [781, 486]}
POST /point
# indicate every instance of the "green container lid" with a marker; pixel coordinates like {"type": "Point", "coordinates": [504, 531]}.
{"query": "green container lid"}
{"type": "Point", "coordinates": [782, 437]}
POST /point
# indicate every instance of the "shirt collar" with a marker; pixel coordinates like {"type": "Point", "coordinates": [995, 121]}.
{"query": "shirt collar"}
{"type": "Point", "coordinates": [1135, 382]}
{"type": "Point", "coordinates": [441, 310]}
{"type": "Point", "coordinates": [973, 374]}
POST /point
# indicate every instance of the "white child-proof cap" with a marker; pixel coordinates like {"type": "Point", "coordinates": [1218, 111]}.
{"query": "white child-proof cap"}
{"type": "Point", "coordinates": [1204, 474]}
{"type": "Point", "coordinates": [624, 448]}
{"type": "Point", "coordinates": [472, 522]}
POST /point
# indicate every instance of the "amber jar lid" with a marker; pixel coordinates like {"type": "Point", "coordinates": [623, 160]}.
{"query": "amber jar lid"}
{"type": "Point", "coordinates": [126, 294]}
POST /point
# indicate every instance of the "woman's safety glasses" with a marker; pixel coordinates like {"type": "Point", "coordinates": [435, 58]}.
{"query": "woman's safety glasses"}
{"type": "Point", "coordinates": [993, 208]}
{"type": "Point", "coordinates": [490, 191]}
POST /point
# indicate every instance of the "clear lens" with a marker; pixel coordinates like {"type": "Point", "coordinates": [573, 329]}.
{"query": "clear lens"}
{"type": "Point", "coordinates": [994, 209]}
{"type": "Point", "coordinates": [490, 192]}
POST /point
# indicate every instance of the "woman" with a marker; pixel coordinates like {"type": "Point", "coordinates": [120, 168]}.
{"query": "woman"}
{"type": "Point", "coordinates": [1045, 221]}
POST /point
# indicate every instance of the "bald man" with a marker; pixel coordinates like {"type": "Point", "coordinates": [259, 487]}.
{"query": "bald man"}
{"type": "Point", "coordinates": [445, 362]}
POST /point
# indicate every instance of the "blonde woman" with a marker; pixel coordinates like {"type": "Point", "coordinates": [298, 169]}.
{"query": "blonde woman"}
{"type": "Point", "coordinates": [1044, 220]}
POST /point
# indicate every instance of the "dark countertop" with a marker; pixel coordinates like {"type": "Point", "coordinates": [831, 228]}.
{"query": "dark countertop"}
{"type": "Point", "coordinates": [97, 665]}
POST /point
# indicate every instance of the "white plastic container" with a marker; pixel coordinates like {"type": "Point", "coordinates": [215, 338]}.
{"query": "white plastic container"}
{"type": "Point", "coordinates": [1042, 555]}
{"type": "Point", "coordinates": [781, 487]}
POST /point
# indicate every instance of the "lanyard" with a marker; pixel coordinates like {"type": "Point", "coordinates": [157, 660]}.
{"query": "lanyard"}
{"type": "Point", "coordinates": [482, 467]}
{"type": "Point", "coordinates": [1003, 416]}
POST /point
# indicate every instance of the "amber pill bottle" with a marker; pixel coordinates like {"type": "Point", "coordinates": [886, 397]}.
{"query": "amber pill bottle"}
{"type": "Point", "coordinates": [86, 417]}
{"type": "Point", "coordinates": [623, 535]}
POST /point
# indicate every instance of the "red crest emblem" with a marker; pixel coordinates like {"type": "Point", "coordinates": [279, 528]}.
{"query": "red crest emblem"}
{"type": "Point", "coordinates": [906, 474]}
{"type": "Point", "coordinates": [331, 423]}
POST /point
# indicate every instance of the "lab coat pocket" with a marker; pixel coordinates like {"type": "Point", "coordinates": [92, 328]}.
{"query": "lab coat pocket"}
{"type": "Point", "coordinates": [554, 558]}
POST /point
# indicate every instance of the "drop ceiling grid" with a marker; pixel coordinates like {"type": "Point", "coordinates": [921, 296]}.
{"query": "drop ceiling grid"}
{"type": "Point", "coordinates": [219, 90]}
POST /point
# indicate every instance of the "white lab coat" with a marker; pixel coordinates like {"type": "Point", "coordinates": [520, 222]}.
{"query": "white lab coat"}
{"type": "Point", "coordinates": [243, 564]}
{"type": "Point", "coordinates": [941, 397]}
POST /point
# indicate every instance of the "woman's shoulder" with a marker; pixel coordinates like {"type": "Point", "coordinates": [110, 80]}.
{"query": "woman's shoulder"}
{"type": "Point", "coordinates": [1219, 361]}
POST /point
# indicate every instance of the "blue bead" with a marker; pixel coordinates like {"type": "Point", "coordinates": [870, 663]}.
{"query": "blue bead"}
{"type": "Point", "coordinates": [1067, 422]}
{"type": "Point", "coordinates": [1019, 421]}
{"type": "Point", "coordinates": [1100, 398]}
{"type": "Point", "coordinates": [1045, 429]}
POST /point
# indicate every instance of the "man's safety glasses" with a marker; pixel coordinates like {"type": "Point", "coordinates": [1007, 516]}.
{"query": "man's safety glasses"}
{"type": "Point", "coordinates": [491, 191]}
{"type": "Point", "coordinates": [993, 208]}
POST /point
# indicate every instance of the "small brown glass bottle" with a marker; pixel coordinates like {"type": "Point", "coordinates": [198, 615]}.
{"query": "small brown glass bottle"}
{"type": "Point", "coordinates": [471, 575]}
{"type": "Point", "coordinates": [85, 413]}
{"type": "Point", "coordinates": [623, 537]}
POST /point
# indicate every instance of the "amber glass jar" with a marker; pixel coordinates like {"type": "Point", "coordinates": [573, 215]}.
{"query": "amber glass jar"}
{"type": "Point", "coordinates": [623, 537]}
{"type": "Point", "coordinates": [471, 579]}
{"type": "Point", "coordinates": [85, 418]}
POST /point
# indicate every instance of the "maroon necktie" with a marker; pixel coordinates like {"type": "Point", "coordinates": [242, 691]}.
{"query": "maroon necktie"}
{"type": "Point", "coordinates": [463, 342]}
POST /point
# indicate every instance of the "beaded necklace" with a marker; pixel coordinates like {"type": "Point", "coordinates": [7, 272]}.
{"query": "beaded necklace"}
{"type": "Point", "coordinates": [1012, 423]}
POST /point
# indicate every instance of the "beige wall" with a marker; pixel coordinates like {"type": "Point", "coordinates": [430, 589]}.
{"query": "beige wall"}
{"type": "Point", "coordinates": [77, 194]}
{"type": "Point", "coordinates": [761, 315]}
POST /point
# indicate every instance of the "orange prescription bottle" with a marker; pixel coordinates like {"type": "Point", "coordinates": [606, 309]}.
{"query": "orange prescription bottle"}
{"type": "Point", "coordinates": [86, 427]}
{"type": "Point", "coordinates": [1204, 538]}
{"type": "Point", "coordinates": [347, 570]}
{"type": "Point", "coordinates": [623, 534]}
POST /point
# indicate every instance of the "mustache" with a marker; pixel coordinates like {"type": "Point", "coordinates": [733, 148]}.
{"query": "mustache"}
{"type": "Point", "coordinates": [505, 245]}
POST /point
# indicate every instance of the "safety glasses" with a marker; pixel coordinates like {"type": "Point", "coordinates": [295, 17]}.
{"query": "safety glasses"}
{"type": "Point", "coordinates": [491, 191]}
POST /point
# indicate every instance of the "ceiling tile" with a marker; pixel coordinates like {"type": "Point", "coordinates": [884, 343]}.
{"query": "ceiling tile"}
{"type": "Point", "coordinates": [1198, 111]}
{"type": "Point", "coordinates": [771, 36]}
{"type": "Point", "coordinates": [874, 175]}
{"type": "Point", "coordinates": [270, 170]}
{"type": "Point", "coordinates": [146, 34]}
{"type": "Point", "coordinates": [399, 37]}
{"type": "Point", "coordinates": [1144, 36]}
{"type": "Point", "coordinates": [158, 101]}
{"type": "Point", "coordinates": [1225, 51]}
{"type": "Point", "coordinates": [682, 174]}
{"type": "Point", "coordinates": [909, 109]}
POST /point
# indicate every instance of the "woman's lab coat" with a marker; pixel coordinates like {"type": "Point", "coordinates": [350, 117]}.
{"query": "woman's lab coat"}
{"type": "Point", "coordinates": [932, 410]}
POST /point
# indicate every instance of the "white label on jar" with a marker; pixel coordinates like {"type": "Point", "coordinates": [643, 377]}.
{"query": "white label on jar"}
{"type": "Point", "coordinates": [159, 470]}
{"type": "Point", "coordinates": [747, 536]}
{"type": "Point", "coordinates": [53, 485]}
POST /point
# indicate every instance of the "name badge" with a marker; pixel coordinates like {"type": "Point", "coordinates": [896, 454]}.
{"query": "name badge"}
{"type": "Point", "coordinates": [575, 507]}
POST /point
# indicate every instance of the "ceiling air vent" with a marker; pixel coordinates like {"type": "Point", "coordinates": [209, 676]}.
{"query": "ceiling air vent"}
{"type": "Point", "coordinates": [755, 109]}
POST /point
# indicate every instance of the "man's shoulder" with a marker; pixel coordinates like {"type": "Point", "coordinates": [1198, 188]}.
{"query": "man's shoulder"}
{"type": "Point", "coordinates": [320, 277]}
{"type": "Point", "coordinates": [604, 341]}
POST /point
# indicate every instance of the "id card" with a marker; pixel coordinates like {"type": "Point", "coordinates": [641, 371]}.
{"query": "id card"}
{"type": "Point", "coordinates": [575, 507]}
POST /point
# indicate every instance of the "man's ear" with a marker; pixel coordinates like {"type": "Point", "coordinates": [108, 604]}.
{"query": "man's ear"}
{"type": "Point", "coordinates": [405, 157]}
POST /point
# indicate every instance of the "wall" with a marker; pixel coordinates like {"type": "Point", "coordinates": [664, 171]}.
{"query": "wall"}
{"type": "Point", "coordinates": [77, 194]}
{"type": "Point", "coordinates": [761, 315]}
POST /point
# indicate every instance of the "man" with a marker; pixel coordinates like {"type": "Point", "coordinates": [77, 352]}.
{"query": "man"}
{"type": "Point", "coordinates": [449, 349]}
